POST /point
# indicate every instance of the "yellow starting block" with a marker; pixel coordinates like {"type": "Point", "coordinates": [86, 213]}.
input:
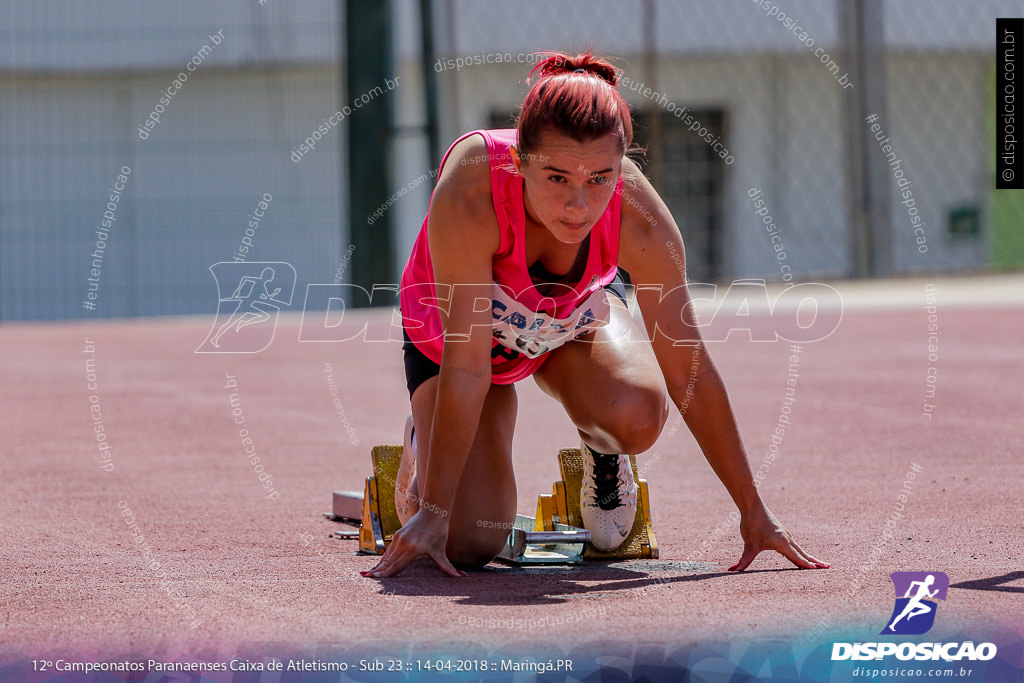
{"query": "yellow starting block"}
{"type": "Point", "coordinates": [563, 506]}
{"type": "Point", "coordinates": [380, 519]}
{"type": "Point", "coordinates": [558, 513]}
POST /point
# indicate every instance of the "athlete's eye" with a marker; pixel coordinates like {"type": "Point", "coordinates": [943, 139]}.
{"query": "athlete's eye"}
{"type": "Point", "coordinates": [557, 178]}
{"type": "Point", "coordinates": [599, 180]}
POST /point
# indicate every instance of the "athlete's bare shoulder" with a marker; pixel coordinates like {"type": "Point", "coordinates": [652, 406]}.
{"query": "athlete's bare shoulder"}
{"type": "Point", "coordinates": [631, 174]}
{"type": "Point", "coordinates": [466, 176]}
{"type": "Point", "coordinates": [644, 214]}
{"type": "Point", "coordinates": [462, 210]}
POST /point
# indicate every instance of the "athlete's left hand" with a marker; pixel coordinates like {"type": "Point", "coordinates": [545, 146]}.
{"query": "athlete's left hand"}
{"type": "Point", "coordinates": [762, 531]}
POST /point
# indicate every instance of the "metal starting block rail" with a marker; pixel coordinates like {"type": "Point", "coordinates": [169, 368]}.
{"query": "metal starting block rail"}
{"type": "Point", "coordinates": [528, 545]}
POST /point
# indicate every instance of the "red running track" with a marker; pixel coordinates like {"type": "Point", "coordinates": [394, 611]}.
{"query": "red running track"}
{"type": "Point", "coordinates": [223, 565]}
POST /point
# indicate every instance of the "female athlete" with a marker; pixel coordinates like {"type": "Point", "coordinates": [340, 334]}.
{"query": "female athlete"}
{"type": "Point", "coordinates": [515, 274]}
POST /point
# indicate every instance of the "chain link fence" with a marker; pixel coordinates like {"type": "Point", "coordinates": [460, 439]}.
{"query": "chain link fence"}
{"type": "Point", "coordinates": [746, 109]}
{"type": "Point", "coordinates": [121, 179]}
{"type": "Point", "coordinates": [140, 143]}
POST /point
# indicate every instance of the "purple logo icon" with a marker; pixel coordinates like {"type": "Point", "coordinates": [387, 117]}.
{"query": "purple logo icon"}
{"type": "Point", "coordinates": [917, 595]}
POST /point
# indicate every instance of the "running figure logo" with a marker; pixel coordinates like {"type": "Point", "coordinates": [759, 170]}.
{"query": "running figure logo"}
{"type": "Point", "coordinates": [246, 320]}
{"type": "Point", "coordinates": [914, 612]}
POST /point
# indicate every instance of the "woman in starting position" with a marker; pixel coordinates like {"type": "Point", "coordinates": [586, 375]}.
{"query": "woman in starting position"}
{"type": "Point", "coordinates": [515, 273]}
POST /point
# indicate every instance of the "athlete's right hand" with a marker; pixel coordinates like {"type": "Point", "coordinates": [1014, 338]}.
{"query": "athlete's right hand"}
{"type": "Point", "coordinates": [425, 534]}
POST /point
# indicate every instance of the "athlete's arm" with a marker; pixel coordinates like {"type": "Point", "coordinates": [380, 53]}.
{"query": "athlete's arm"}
{"type": "Point", "coordinates": [464, 236]}
{"type": "Point", "coordinates": [651, 250]}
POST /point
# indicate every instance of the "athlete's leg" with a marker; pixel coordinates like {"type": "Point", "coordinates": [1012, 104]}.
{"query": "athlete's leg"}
{"type": "Point", "coordinates": [485, 501]}
{"type": "Point", "coordinates": [406, 490]}
{"type": "Point", "coordinates": [610, 385]}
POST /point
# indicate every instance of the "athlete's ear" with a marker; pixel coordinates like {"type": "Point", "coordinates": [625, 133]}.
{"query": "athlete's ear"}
{"type": "Point", "coordinates": [517, 160]}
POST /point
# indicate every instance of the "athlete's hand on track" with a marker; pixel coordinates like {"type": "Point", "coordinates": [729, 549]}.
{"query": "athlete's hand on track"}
{"type": "Point", "coordinates": [425, 534]}
{"type": "Point", "coordinates": [762, 531]}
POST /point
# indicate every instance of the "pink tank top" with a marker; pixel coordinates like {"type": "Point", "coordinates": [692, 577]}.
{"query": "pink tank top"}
{"type": "Point", "coordinates": [526, 324]}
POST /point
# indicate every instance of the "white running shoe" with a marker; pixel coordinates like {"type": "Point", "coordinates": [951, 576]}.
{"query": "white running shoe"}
{"type": "Point", "coordinates": [607, 498]}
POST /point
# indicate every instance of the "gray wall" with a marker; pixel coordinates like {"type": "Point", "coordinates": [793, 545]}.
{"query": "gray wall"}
{"type": "Point", "coordinates": [78, 78]}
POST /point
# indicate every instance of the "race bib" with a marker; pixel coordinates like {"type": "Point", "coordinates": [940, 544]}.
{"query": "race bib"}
{"type": "Point", "coordinates": [533, 333]}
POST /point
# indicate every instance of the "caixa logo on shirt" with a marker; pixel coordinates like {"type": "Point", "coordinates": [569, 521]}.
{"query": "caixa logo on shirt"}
{"type": "Point", "coordinates": [917, 596]}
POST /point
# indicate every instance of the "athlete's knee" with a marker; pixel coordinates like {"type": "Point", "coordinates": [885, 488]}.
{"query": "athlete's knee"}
{"type": "Point", "coordinates": [635, 422]}
{"type": "Point", "coordinates": [475, 551]}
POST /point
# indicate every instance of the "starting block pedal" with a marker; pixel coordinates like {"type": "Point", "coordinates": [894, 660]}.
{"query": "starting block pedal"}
{"type": "Point", "coordinates": [563, 506]}
{"type": "Point", "coordinates": [380, 518]}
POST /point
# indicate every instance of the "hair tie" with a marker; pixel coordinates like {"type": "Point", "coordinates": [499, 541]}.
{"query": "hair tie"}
{"type": "Point", "coordinates": [580, 70]}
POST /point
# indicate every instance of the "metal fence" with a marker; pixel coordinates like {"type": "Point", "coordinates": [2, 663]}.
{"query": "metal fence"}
{"type": "Point", "coordinates": [120, 178]}
{"type": "Point", "coordinates": [139, 141]}
{"type": "Point", "coordinates": [785, 87]}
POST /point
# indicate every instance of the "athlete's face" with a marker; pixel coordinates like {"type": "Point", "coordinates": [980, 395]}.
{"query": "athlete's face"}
{"type": "Point", "coordinates": [568, 184]}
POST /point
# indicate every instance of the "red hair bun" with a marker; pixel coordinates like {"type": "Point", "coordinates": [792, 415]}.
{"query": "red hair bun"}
{"type": "Point", "coordinates": [576, 96]}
